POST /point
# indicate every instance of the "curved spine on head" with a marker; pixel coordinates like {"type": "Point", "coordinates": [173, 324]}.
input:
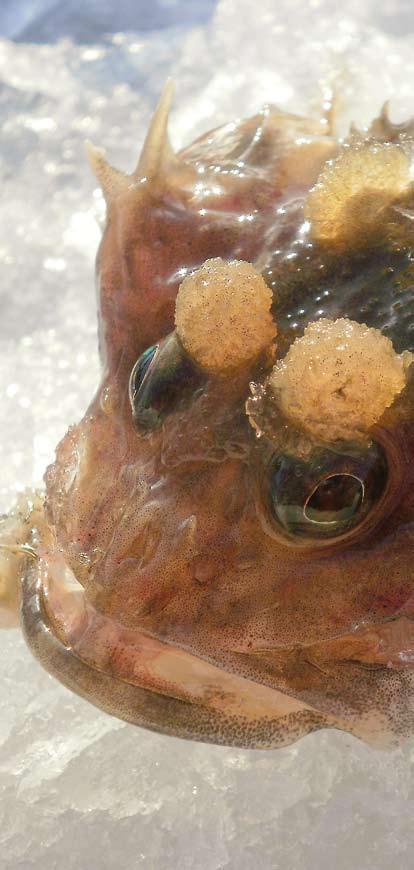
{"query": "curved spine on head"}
{"type": "Point", "coordinates": [112, 181]}
{"type": "Point", "coordinates": [157, 155]}
{"type": "Point", "coordinates": [156, 159]}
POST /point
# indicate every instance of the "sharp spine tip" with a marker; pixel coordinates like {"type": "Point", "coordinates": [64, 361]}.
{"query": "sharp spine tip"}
{"type": "Point", "coordinates": [157, 154]}
{"type": "Point", "coordinates": [385, 111]}
{"type": "Point", "coordinates": [111, 180]}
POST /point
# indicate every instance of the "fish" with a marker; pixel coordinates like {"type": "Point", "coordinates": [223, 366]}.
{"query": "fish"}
{"type": "Point", "coordinates": [224, 547]}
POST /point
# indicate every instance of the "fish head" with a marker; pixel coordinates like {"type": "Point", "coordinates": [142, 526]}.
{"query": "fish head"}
{"type": "Point", "coordinates": [228, 543]}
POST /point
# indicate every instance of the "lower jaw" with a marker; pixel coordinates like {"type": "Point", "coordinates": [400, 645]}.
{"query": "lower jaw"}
{"type": "Point", "coordinates": [153, 684]}
{"type": "Point", "coordinates": [146, 682]}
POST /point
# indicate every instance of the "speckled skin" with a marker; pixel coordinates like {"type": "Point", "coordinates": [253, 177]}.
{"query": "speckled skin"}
{"type": "Point", "coordinates": [168, 531]}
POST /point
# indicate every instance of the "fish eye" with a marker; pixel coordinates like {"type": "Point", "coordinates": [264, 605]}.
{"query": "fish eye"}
{"type": "Point", "coordinates": [141, 367]}
{"type": "Point", "coordinates": [137, 380]}
{"type": "Point", "coordinates": [162, 377]}
{"type": "Point", "coordinates": [327, 493]}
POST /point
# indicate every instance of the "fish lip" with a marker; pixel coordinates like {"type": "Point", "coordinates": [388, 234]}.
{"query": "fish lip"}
{"type": "Point", "coordinates": [165, 714]}
{"type": "Point", "coordinates": [162, 712]}
{"type": "Point", "coordinates": [115, 697]}
{"type": "Point", "coordinates": [258, 726]}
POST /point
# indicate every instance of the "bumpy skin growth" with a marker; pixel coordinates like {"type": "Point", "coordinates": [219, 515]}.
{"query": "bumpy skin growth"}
{"type": "Point", "coordinates": [169, 592]}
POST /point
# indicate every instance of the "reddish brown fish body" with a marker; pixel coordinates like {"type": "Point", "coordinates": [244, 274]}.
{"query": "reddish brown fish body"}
{"type": "Point", "coordinates": [193, 615]}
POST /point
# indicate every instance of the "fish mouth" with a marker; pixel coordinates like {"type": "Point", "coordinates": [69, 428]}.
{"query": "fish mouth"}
{"type": "Point", "coordinates": [145, 681]}
{"type": "Point", "coordinates": [166, 688]}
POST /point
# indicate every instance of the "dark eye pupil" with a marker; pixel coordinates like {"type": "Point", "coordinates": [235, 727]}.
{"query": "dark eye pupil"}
{"type": "Point", "coordinates": [335, 500]}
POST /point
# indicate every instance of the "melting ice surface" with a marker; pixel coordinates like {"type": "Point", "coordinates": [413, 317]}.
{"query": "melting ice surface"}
{"type": "Point", "coordinates": [77, 787]}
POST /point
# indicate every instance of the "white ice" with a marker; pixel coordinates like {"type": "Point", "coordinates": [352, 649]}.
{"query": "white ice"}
{"type": "Point", "coordinates": [77, 788]}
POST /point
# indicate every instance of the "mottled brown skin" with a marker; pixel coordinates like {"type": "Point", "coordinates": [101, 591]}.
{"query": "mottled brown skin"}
{"type": "Point", "coordinates": [168, 531]}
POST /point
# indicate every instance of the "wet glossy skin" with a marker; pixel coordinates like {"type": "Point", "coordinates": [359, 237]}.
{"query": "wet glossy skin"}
{"type": "Point", "coordinates": [197, 616]}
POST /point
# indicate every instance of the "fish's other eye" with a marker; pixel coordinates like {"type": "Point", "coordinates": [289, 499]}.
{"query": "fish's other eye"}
{"type": "Point", "coordinates": [162, 377]}
{"type": "Point", "coordinates": [327, 493]}
{"type": "Point", "coordinates": [141, 367]}
{"type": "Point", "coordinates": [137, 380]}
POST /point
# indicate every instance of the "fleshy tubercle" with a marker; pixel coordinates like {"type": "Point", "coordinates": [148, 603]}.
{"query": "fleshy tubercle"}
{"type": "Point", "coordinates": [336, 381]}
{"type": "Point", "coordinates": [347, 203]}
{"type": "Point", "coordinates": [223, 315]}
